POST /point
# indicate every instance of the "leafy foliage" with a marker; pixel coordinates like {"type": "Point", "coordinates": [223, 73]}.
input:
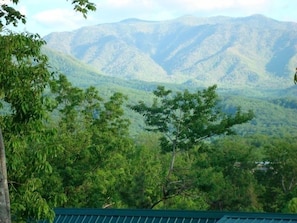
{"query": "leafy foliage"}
{"type": "Point", "coordinates": [230, 183]}
{"type": "Point", "coordinates": [24, 79]}
{"type": "Point", "coordinates": [23, 76]}
{"type": "Point", "coordinates": [71, 147]}
{"type": "Point", "coordinates": [9, 15]}
{"type": "Point", "coordinates": [83, 6]}
{"type": "Point", "coordinates": [185, 119]}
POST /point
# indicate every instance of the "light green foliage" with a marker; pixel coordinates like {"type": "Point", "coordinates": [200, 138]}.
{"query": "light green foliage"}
{"type": "Point", "coordinates": [147, 170]}
{"type": "Point", "coordinates": [273, 115]}
{"type": "Point", "coordinates": [83, 6]}
{"type": "Point", "coordinates": [25, 77]}
{"type": "Point", "coordinates": [92, 164]}
{"type": "Point", "coordinates": [67, 158]}
{"type": "Point", "coordinates": [62, 163]}
{"type": "Point", "coordinates": [292, 206]}
{"type": "Point", "coordinates": [149, 173]}
{"type": "Point", "coordinates": [185, 119]}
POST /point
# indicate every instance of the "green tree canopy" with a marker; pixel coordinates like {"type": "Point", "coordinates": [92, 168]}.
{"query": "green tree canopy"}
{"type": "Point", "coordinates": [24, 83]}
{"type": "Point", "coordinates": [185, 119]}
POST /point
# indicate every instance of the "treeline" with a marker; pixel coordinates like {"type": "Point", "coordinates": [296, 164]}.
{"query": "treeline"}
{"type": "Point", "coordinates": [79, 153]}
{"type": "Point", "coordinates": [274, 116]}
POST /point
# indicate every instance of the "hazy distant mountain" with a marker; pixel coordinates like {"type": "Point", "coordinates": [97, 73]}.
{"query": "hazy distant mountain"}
{"type": "Point", "coordinates": [251, 51]}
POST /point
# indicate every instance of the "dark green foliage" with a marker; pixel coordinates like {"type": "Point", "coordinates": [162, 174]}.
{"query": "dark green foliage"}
{"type": "Point", "coordinates": [9, 15]}
{"type": "Point", "coordinates": [231, 184]}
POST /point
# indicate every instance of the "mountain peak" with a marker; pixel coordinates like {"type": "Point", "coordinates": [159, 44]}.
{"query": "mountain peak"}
{"type": "Point", "coordinates": [235, 52]}
{"type": "Point", "coordinates": [133, 20]}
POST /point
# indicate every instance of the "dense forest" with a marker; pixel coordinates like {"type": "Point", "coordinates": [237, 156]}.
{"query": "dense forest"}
{"type": "Point", "coordinates": [68, 146]}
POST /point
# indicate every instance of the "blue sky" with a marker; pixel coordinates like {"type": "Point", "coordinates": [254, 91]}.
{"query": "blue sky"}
{"type": "Point", "coordinates": [46, 16]}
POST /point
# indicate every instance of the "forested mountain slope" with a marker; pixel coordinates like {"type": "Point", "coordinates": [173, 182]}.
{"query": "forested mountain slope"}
{"type": "Point", "coordinates": [233, 52]}
{"type": "Point", "coordinates": [274, 109]}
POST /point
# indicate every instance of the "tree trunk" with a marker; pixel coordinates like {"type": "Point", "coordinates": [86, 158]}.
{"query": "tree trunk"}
{"type": "Point", "coordinates": [4, 192]}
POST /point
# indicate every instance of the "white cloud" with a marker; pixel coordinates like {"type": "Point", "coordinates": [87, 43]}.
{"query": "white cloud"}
{"type": "Point", "coordinates": [4, 2]}
{"type": "Point", "coordinates": [183, 4]}
{"type": "Point", "coordinates": [59, 19]}
{"type": "Point", "coordinates": [168, 9]}
{"type": "Point", "coordinates": [118, 4]}
{"type": "Point", "coordinates": [45, 16]}
{"type": "Point", "coordinates": [212, 5]}
{"type": "Point", "coordinates": [232, 8]}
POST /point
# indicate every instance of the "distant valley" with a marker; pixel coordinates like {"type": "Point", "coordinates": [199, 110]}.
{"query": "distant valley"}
{"type": "Point", "coordinates": [251, 59]}
{"type": "Point", "coordinates": [249, 52]}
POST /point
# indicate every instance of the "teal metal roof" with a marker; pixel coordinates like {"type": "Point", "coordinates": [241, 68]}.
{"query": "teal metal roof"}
{"type": "Point", "coordinates": [165, 216]}
{"type": "Point", "coordinates": [258, 218]}
{"type": "Point", "coordinates": [133, 216]}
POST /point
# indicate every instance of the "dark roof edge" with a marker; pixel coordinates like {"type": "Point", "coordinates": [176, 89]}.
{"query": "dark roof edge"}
{"type": "Point", "coordinates": [138, 212]}
{"type": "Point", "coordinates": [168, 213]}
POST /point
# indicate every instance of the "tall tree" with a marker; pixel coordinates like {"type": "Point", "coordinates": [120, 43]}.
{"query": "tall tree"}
{"type": "Point", "coordinates": [4, 196]}
{"type": "Point", "coordinates": [93, 135]}
{"type": "Point", "coordinates": [24, 76]}
{"type": "Point", "coordinates": [185, 119]}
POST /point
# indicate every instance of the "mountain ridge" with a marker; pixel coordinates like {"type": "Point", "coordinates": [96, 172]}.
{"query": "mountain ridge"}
{"type": "Point", "coordinates": [253, 51]}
